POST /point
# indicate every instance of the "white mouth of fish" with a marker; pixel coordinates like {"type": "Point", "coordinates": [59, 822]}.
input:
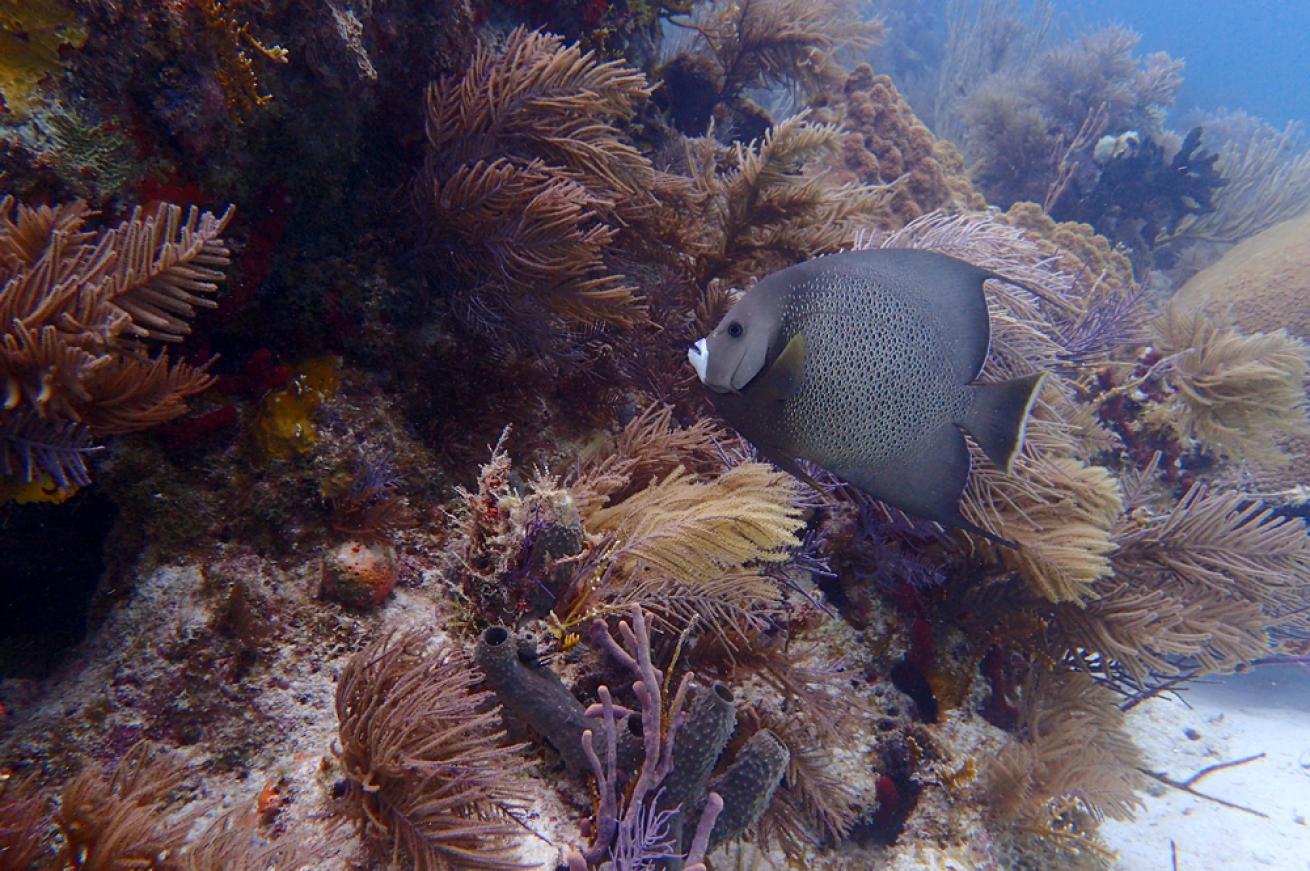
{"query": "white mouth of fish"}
{"type": "Point", "coordinates": [699, 357]}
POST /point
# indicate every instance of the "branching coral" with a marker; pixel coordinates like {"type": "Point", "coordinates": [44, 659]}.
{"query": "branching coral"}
{"type": "Point", "coordinates": [760, 208]}
{"type": "Point", "coordinates": [428, 777]}
{"type": "Point", "coordinates": [760, 44]}
{"type": "Point", "coordinates": [532, 180]}
{"type": "Point", "coordinates": [75, 310]}
{"type": "Point", "coordinates": [1237, 394]}
{"type": "Point", "coordinates": [1073, 749]}
{"type": "Point", "coordinates": [1199, 585]}
{"type": "Point", "coordinates": [1030, 132]}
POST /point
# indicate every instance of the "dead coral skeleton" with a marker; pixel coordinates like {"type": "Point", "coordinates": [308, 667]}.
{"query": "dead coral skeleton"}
{"type": "Point", "coordinates": [77, 311]}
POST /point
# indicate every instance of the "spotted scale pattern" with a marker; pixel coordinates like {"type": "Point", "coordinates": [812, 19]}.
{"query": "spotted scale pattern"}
{"type": "Point", "coordinates": [876, 375]}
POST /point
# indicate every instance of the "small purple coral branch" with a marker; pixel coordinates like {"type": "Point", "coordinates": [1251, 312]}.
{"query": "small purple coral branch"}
{"type": "Point", "coordinates": [657, 741]}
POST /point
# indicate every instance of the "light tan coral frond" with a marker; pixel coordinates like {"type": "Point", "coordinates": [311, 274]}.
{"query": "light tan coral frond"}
{"type": "Point", "coordinates": [695, 531]}
{"type": "Point", "coordinates": [1059, 510]}
{"type": "Point", "coordinates": [1074, 748]}
{"type": "Point", "coordinates": [647, 449]}
{"type": "Point", "coordinates": [26, 231]}
{"type": "Point", "coordinates": [1226, 543]}
{"type": "Point", "coordinates": [1199, 586]}
{"type": "Point", "coordinates": [766, 210]}
{"type": "Point", "coordinates": [165, 267]}
{"type": "Point", "coordinates": [121, 821]}
{"type": "Point", "coordinates": [1235, 393]}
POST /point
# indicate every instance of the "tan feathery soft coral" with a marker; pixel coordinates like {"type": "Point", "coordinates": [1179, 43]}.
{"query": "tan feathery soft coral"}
{"type": "Point", "coordinates": [687, 549]}
{"type": "Point", "coordinates": [1236, 394]}
{"type": "Point", "coordinates": [885, 143]}
{"type": "Point", "coordinates": [766, 43]}
{"type": "Point", "coordinates": [1197, 586]}
{"type": "Point", "coordinates": [76, 309]}
{"type": "Point", "coordinates": [429, 777]}
{"type": "Point", "coordinates": [532, 180]}
{"type": "Point", "coordinates": [1074, 752]}
{"type": "Point", "coordinates": [649, 448]}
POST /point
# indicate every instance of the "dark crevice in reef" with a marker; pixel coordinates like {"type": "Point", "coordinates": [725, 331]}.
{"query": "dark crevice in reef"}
{"type": "Point", "coordinates": [909, 679]}
{"type": "Point", "coordinates": [52, 563]}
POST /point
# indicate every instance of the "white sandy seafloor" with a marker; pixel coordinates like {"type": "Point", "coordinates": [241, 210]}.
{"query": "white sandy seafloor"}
{"type": "Point", "coordinates": [1264, 711]}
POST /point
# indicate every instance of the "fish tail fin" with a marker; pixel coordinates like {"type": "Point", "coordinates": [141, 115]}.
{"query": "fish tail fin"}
{"type": "Point", "coordinates": [999, 415]}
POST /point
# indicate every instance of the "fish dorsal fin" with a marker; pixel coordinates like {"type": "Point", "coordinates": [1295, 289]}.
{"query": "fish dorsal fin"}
{"type": "Point", "coordinates": [785, 375]}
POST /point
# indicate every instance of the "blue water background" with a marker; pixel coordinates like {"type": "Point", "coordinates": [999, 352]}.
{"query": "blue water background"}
{"type": "Point", "coordinates": [1240, 54]}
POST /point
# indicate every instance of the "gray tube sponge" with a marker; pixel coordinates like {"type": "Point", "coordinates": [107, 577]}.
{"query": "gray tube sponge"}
{"type": "Point", "coordinates": [534, 694]}
{"type": "Point", "coordinates": [700, 740]}
{"type": "Point", "coordinates": [748, 785]}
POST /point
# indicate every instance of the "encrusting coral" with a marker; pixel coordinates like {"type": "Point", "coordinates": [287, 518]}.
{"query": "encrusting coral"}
{"type": "Point", "coordinates": [77, 311]}
{"type": "Point", "coordinates": [428, 778]}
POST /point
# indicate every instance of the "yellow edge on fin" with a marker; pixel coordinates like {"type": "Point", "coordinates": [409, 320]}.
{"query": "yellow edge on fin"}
{"type": "Point", "coordinates": [1023, 423]}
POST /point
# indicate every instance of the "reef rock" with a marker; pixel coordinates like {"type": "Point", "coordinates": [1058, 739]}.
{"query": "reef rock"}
{"type": "Point", "coordinates": [1261, 285]}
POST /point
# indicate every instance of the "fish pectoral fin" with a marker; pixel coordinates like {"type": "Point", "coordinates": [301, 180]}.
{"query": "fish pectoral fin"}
{"type": "Point", "coordinates": [785, 375]}
{"type": "Point", "coordinates": [926, 480]}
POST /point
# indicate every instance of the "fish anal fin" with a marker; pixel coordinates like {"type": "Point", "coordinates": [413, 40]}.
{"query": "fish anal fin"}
{"type": "Point", "coordinates": [999, 415]}
{"type": "Point", "coordinates": [926, 480]}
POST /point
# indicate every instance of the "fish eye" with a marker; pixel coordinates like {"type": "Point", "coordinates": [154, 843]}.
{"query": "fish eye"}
{"type": "Point", "coordinates": [735, 330]}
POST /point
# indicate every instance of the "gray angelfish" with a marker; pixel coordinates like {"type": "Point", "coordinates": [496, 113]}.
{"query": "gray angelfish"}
{"type": "Point", "coordinates": [865, 363]}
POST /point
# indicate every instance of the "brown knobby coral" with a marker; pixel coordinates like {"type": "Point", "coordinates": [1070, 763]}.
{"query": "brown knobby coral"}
{"type": "Point", "coordinates": [78, 312]}
{"type": "Point", "coordinates": [884, 143]}
{"type": "Point", "coordinates": [531, 179]}
{"type": "Point", "coordinates": [429, 778]}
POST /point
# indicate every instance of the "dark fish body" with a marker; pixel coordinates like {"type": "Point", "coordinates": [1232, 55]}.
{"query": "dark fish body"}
{"type": "Point", "coordinates": [864, 363]}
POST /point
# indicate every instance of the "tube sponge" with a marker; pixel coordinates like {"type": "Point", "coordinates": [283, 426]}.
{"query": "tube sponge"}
{"type": "Point", "coordinates": [534, 694]}
{"type": "Point", "coordinates": [748, 785]}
